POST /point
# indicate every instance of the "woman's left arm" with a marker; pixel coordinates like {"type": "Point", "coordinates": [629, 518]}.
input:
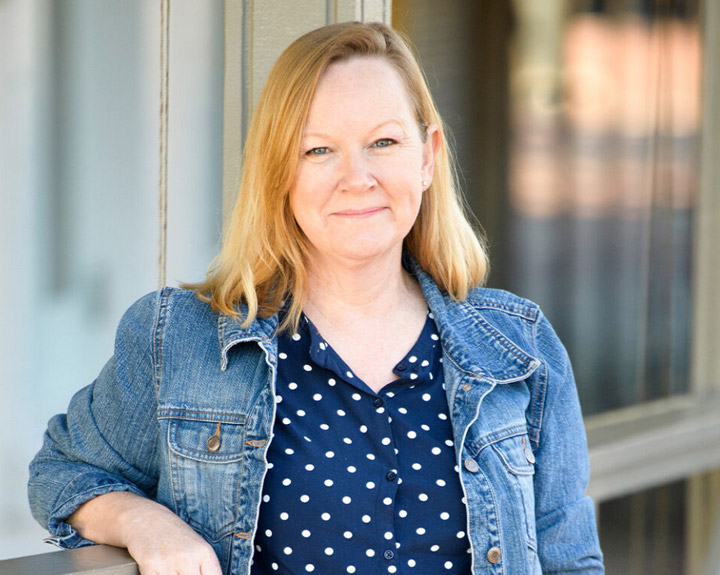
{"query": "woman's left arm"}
{"type": "Point", "coordinates": [565, 516]}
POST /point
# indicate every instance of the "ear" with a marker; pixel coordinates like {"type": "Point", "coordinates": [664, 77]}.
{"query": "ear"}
{"type": "Point", "coordinates": [430, 150]}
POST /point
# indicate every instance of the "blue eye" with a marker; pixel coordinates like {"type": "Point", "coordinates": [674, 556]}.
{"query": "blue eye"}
{"type": "Point", "coordinates": [321, 151]}
{"type": "Point", "coordinates": [384, 142]}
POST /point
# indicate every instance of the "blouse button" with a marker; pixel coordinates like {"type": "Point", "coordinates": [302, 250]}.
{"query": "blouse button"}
{"type": "Point", "coordinates": [494, 554]}
{"type": "Point", "coordinates": [391, 475]}
{"type": "Point", "coordinates": [471, 465]}
{"type": "Point", "coordinates": [389, 555]}
{"type": "Point", "coordinates": [377, 402]}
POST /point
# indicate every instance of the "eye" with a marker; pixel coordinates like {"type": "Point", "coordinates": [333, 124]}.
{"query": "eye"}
{"type": "Point", "coordinates": [321, 151]}
{"type": "Point", "coordinates": [384, 142]}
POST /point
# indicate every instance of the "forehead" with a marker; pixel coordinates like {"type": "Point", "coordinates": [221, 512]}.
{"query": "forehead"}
{"type": "Point", "coordinates": [360, 86]}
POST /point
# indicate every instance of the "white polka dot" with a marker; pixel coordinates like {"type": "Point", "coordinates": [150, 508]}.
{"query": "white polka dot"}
{"type": "Point", "coordinates": [346, 500]}
{"type": "Point", "coordinates": [434, 337]}
{"type": "Point", "coordinates": [380, 410]}
{"type": "Point", "coordinates": [348, 534]}
{"type": "Point", "coordinates": [363, 429]}
{"type": "Point", "coordinates": [442, 416]}
{"type": "Point", "coordinates": [412, 359]}
{"type": "Point", "coordinates": [420, 531]}
{"type": "Point", "coordinates": [416, 466]}
{"type": "Point", "coordinates": [356, 396]}
{"type": "Point", "coordinates": [328, 483]}
{"type": "Point", "coordinates": [388, 535]}
{"type": "Point", "coordinates": [449, 442]}
{"type": "Point", "coordinates": [325, 517]}
{"type": "Point", "coordinates": [282, 355]}
{"type": "Point", "coordinates": [388, 501]}
{"type": "Point", "coordinates": [309, 467]}
{"type": "Point", "coordinates": [390, 394]}
{"type": "Point", "coordinates": [366, 519]}
{"type": "Point", "coordinates": [275, 566]}
{"type": "Point", "coordinates": [304, 498]}
{"type": "Point", "coordinates": [331, 382]}
{"type": "Point", "coordinates": [402, 513]}
{"type": "Point", "coordinates": [371, 456]}
{"type": "Point", "coordinates": [392, 569]}
{"type": "Point", "coordinates": [349, 374]}
{"type": "Point", "coordinates": [305, 533]}
{"type": "Point", "coordinates": [307, 367]}
{"type": "Point", "coordinates": [266, 498]}
{"type": "Point", "coordinates": [426, 397]}
{"type": "Point", "coordinates": [286, 420]}
{"type": "Point", "coordinates": [425, 363]}
{"type": "Point", "coordinates": [352, 469]}
{"type": "Point", "coordinates": [296, 336]}
{"type": "Point", "coordinates": [292, 385]}
{"type": "Point", "coordinates": [441, 483]}
{"type": "Point", "coordinates": [324, 426]}
{"type": "Point", "coordinates": [370, 485]}
{"type": "Point", "coordinates": [284, 516]}
{"type": "Point", "coordinates": [444, 516]}
{"type": "Point", "coordinates": [289, 451]}
{"type": "Point", "coordinates": [329, 551]}
{"type": "Point", "coordinates": [300, 413]}
{"type": "Point", "coordinates": [425, 427]}
{"type": "Point", "coordinates": [329, 454]}
{"type": "Point", "coordinates": [268, 533]}
{"type": "Point", "coordinates": [340, 412]}
{"type": "Point", "coordinates": [287, 481]}
{"type": "Point", "coordinates": [411, 563]}
{"type": "Point", "coordinates": [402, 410]}
{"type": "Point", "coordinates": [347, 440]}
{"type": "Point", "coordinates": [278, 399]}
{"type": "Point", "coordinates": [385, 441]}
{"type": "Point", "coordinates": [448, 564]}
{"type": "Point", "coordinates": [306, 438]}
{"type": "Point", "coordinates": [317, 397]}
{"type": "Point", "coordinates": [309, 567]}
{"type": "Point", "coordinates": [436, 451]}
{"type": "Point", "coordinates": [412, 434]}
{"type": "Point", "coordinates": [434, 548]}
{"type": "Point", "coordinates": [414, 376]}
{"type": "Point", "coordinates": [323, 345]}
{"type": "Point", "coordinates": [350, 569]}
{"type": "Point", "coordinates": [423, 497]}
{"type": "Point", "coordinates": [460, 534]}
{"type": "Point", "coordinates": [370, 553]}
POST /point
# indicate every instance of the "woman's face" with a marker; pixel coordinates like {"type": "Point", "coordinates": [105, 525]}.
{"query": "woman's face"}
{"type": "Point", "coordinates": [358, 185]}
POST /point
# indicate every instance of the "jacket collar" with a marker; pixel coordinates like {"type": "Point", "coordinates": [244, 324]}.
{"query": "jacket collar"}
{"type": "Point", "coordinates": [471, 342]}
{"type": "Point", "coordinates": [476, 346]}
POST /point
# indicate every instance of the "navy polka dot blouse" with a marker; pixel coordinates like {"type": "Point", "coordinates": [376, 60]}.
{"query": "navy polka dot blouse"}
{"type": "Point", "coordinates": [360, 482]}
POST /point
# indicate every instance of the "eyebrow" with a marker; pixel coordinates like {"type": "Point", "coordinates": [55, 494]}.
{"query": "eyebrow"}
{"type": "Point", "coordinates": [375, 129]}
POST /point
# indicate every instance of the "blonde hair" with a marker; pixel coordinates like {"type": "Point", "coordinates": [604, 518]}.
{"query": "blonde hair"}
{"type": "Point", "coordinates": [262, 260]}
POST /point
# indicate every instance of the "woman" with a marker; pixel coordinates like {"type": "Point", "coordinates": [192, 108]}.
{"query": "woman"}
{"type": "Point", "coordinates": [339, 396]}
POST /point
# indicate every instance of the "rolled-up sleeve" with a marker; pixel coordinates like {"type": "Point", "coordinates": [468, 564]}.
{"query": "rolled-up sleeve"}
{"type": "Point", "coordinates": [566, 527]}
{"type": "Point", "coordinates": [107, 440]}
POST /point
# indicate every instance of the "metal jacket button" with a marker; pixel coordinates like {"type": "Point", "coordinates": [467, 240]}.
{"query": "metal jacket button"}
{"type": "Point", "coordinates": [471, 465]}
{"type": "Point", "coordinates": [494, 554]}
{"type": "Point", "coordinates": [213, 443]}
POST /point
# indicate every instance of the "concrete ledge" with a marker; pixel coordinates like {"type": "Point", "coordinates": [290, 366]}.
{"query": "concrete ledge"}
{"type": "Point", "coordinates": [95, 560]}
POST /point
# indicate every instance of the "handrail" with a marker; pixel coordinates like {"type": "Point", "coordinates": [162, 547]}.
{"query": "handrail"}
{"type": "Point", "coordinates": [95, 560]}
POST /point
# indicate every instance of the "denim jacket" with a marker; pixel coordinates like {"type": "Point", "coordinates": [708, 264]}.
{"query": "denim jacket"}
{"type": "Point", "coordinates": [183, 373]}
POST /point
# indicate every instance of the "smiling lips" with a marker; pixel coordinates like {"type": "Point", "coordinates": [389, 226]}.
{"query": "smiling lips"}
{"type": "Point", "coordinates": [364, 213]}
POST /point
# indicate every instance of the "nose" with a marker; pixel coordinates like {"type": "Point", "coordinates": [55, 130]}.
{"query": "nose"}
{"type": "Point", "coordinates": [356, 172]}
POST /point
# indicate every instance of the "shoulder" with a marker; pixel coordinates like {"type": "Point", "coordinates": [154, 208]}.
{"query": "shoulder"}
{"type": "Point", "coordinates": [504, 303]}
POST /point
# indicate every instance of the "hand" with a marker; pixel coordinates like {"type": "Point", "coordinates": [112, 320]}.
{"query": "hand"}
{"type": "Point", "coordinates": [163, 544]}
{"type": "Point", "coordinates": [160, 542]}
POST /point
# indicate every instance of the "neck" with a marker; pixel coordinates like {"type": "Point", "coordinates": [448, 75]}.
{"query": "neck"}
{"type": "Point", "coordinates": [339, 290]}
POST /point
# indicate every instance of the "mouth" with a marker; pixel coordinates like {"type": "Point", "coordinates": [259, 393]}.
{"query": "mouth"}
{"type": "Point", "coordinates": [359, 214]}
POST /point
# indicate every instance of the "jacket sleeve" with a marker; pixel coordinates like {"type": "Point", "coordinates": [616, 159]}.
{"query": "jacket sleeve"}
{"type": "Point", "coordinates": [107, 441]}
{"type": "Point", "coordinates": [565, 516]}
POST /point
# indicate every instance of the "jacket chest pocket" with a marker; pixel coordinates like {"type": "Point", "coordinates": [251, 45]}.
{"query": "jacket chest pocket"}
{"type": "Point", "coordinates": [519, 462]}
{"type": "Point", "coordinates": [206, 464]}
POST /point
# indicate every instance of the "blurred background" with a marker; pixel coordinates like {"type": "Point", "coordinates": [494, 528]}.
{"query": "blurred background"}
{"type": "Point", "coordinates": [579, 127]}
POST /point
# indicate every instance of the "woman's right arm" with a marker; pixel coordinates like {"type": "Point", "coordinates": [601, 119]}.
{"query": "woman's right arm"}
{"type": "Point", "coordinates": [96, 475]}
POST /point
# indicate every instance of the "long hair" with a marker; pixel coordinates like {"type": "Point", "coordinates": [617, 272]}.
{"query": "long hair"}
{"type": "Point", "coordinates": [263, 255]}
